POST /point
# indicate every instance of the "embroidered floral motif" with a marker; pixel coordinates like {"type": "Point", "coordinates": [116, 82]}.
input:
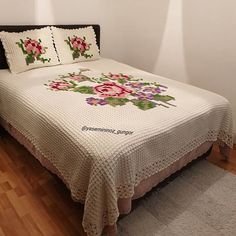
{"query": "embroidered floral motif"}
{"type": "Point", "coordinates": [33, 50]}
{"type": "Point", "coordinates": [121, 78]}
{"type": "Point", "coordinates": [79, 47]}
{"type": "Point", "coordinates": [95, 101]}
{"type": "Point", "coordinates": [111, 89]}
{"type": "Point", "coordinates": [61, 85]}
{"type": "Point", "coordinates": [114, 90]}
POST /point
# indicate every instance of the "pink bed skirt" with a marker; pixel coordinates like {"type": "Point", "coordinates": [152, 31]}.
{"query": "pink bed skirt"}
{"type": "Point", "coordinates": [145, 186]}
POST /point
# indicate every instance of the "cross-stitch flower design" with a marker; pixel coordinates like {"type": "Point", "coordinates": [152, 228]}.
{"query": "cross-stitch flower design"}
{"type": "Point", "coordinates": [60, 85]}
{"type": "Point", "coordinates": [95, 101]}
{"type": "Point", "coordinates": [117, 76]}
{"type": "Point", "coordinates": [111, 89]}
{"type": "Point", "coordinates": [121, 78]}
{"type": "Point", "coordinates": [143, 96]}
{"type": "Point", "coordinates": [153, 90]}
{"type": "Point", "coordinates": [79, 47]}
{"type": "Point", "coordinates": [114, 90]}
{"type": "Point", "coordinates": [135, 85]}
{"type": "Point", "coordinates": [33, 50]}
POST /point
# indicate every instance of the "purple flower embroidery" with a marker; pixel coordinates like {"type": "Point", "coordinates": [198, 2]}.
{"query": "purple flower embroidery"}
{"type": "Point", "coordinates": [152, 90]}
{"type": "Point", "coordinates": [134, 85]}
{"type": "Point", "coordinates": [94, 101]}
{"type": "Point", "coordinates": [141, 95]}
{"type": "Point", "coordinates": [102, 102]}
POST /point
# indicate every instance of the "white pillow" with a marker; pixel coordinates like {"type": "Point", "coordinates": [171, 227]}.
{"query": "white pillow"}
{"type": "Point", "coordinates": [74, 45]}
{"type": "Point", "coordinates": [29, 49]}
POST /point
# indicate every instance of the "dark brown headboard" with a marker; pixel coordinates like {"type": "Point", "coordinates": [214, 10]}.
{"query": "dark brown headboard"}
{"type": "Point", "coordinates": [20, 28]}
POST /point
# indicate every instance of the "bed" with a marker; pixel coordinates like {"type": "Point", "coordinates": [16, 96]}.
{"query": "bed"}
{"type": "Point", "coordinates": [116, 147]}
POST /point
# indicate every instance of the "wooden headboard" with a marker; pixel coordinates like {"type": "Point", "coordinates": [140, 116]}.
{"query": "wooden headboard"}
{"type": "Point", "coordinates": [20, 28]}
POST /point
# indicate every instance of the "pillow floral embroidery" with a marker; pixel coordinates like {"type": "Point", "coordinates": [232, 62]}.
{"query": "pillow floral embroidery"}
{"type": "Point", "coordinates": [114, 90]}
{"type": "Point", "coordinates": [79, 47]}
{"type": "Point", "coordinates": [33, 50]}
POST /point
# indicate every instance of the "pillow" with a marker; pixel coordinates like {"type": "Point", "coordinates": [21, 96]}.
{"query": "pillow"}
{"type": "Point", "coordinates": [75, 45]}
{"type": "Point", "coordinates": [29, 49]}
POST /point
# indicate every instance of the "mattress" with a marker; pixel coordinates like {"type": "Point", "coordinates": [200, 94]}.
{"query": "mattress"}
{"type": "Point", "coordinates": [104, 127]}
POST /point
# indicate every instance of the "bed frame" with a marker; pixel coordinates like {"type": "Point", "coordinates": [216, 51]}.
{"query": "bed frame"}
{"type": "Point", "coordinates": [20, 28]}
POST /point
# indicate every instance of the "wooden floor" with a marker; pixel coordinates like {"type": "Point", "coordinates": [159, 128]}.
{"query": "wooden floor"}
{"type": "Point", "coordinates": [33, 202]}
{"type": "Point", "coordinates": [217, 159]}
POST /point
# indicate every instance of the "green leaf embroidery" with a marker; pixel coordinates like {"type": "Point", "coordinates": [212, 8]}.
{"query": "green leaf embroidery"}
{"type": "Point", "coordinates": [73, 83]}
{"type": "Point", "coordinates": [103, 79]}
{"type": "Point", "coordinates": [75, 55]}
{"type": "Point", "coordinates": [84, 90]}
{"type": "Point", "coordinates": [68, 43]}
{"type": "Point", "coordinates": [145, 83]}
{"type": "Point", "coordinates": [163, 98]}
{"type": "Point", "coordinates": [143, 104]}
{"type": "Point", "coordinates": [122, 81]}
{"type": "Point", "coordinates": [86, 55]}
{"type": "Point", "coordinates": [29, 59]}
{"type": "Point", "coordinates": [116, 101]}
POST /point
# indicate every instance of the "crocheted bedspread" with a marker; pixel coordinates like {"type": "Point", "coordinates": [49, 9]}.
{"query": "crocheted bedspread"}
{"type": "Point", "coordinates": [105, 126]}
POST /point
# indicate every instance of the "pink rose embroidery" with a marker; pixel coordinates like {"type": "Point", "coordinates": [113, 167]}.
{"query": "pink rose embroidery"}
{"type": "Point", "coordinates": [79, 78]}
{"type": "Point", "coordinates": [33, 47]}
{"type": "Point", "coordinates": [80, 44]}
{"type": "Point", "coordinates": [33, 50]}
{"type": "Point", "coordinates": [111, 89]}
{"type": "Point", "coordinates": [118, 76]}
{"type": "Point", "coordinates": [60, 85]}
{"type": "Point", "coordinates": [79, 47]}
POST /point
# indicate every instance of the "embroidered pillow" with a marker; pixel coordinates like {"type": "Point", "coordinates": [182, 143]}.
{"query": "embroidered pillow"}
{"type": "Point", "coordinates": [29, 49]}
{"type": "Point", "coordinates": [74, 45]}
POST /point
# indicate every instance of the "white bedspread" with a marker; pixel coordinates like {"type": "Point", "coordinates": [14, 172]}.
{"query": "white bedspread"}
{"type": "Point", "coordinates": [100, 165]}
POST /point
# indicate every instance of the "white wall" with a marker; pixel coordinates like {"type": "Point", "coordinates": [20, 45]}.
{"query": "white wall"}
{"type": "Point", "coordinates": [205, 50]}
{"type": "Point", "coordinates": [192, 41]}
